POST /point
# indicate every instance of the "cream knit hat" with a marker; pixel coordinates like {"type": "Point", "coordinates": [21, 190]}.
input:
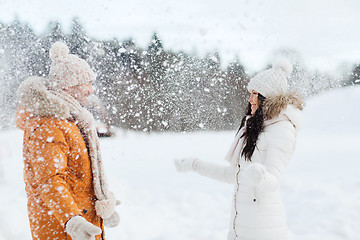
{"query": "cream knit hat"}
{"type": "Point", "coordinates": [273, 81]}
{"type": "Point", "coordinates": [66, 69]}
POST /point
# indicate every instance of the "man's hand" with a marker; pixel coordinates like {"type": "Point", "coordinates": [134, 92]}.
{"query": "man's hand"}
{"type": "Point", "coordinates": [80, 229]}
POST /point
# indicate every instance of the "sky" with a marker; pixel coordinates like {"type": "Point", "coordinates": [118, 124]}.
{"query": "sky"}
{"type": "Point", "coordinates": [325, 33]}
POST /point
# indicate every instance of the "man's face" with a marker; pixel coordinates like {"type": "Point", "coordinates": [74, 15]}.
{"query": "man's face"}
{"type": "Point", "coordinates": [81, 92]}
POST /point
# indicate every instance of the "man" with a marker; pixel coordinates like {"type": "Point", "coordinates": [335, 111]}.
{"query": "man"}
{"type": "Point", "coordinates": [67, 192]}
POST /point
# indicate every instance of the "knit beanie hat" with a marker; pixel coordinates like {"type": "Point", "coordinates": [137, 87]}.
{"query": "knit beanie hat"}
{"type": "Point", "coordinates": [67, 70]}
{"type": "Point", "coordinates": [273, 81]}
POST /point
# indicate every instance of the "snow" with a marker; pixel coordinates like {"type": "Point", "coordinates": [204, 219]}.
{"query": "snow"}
{"type": "Point", "coordinates": [324, 32]}
{"type": "Point", "coordinates": [319, 187]}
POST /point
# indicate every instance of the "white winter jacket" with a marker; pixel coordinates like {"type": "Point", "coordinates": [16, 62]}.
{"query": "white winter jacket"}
{"type": "Point", "coordinates": [257, 210]}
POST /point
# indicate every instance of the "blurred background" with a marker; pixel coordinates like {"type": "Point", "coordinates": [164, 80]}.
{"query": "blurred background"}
{"type": "Point", "coordinates": [179, 65]}
{"type": "Point", "coordinates": [171, 83]}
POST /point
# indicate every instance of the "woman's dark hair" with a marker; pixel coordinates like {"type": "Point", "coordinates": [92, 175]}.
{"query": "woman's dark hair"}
{"type": "Point", "coordinates": [254, 125]}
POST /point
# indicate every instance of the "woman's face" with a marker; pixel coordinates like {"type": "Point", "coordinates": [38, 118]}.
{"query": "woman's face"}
{"type": "Point", "coordinates": [254, 101]}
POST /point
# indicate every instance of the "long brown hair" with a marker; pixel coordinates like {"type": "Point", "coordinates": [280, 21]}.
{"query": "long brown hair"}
{"type": "Point", "coordinates": [254, 126]}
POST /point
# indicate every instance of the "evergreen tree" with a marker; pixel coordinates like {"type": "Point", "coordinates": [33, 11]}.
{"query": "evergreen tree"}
{"type": "Point", "coordinates": [150, 89]}
{"type": "Point", "coordinates": [78, 40]}
{"type": "Point", "coordinates": [354, 77]}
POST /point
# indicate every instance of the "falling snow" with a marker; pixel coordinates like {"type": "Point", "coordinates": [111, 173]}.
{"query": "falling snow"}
{"type": "Point", "coordinates": [321, 175]}
{"type": "Point", "coordinates": [135, 84]}
{"type": "Point", "coordinates": [154, 89]}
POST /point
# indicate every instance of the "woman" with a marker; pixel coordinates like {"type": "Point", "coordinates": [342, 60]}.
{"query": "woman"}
{"type": "Point", "coordinates": [260, 152]}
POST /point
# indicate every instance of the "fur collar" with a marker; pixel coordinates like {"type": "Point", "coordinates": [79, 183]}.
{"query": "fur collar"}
{"type": "Point", "coordinates": [35, 98]}
{"type": "Point", "coordinates": [289, 105]}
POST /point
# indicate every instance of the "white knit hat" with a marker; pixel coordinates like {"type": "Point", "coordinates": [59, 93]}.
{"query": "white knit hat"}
{"type": "Point", "coordinates": [273, 81]}
{"type": "Point", "coordinates": [67, 70]}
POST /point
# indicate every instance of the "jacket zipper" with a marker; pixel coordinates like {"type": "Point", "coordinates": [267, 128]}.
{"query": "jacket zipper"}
{"type": "Point", "coordinates": [255, 198]}
{"type": "Point", "coordinates": [102, 228]}
{"type": "Point", "coordinates": [237, 189]}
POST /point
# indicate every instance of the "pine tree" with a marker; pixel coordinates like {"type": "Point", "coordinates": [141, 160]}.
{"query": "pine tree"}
{"type": "Point", "coordinates": [354, 76]}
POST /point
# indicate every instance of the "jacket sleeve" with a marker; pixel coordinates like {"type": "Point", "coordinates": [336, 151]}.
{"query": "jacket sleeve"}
{"type": "Point", "coordinates": [220, 173]}
{"type": "Point", "coordinates": [279, 150]}
{"type": "Point", "coordinates": [48, 151]}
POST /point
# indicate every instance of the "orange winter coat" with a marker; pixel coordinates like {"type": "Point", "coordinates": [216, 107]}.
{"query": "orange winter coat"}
{"type": "Point", "coordinates": [57, 175]}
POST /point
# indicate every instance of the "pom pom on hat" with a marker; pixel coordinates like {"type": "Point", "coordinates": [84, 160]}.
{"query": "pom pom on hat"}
{"type": "Point", "coordinates": [58, 49]}
{"type": "Point", "coordinates": [273, 81]}
{"type": "Point", "coordinates": [284, 64]}
{"type": "Point", "coordinates": [67, 70]}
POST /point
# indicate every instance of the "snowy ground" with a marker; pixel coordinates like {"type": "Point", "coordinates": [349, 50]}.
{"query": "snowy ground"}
{"type": "Point", "coordinates": [320, 187]}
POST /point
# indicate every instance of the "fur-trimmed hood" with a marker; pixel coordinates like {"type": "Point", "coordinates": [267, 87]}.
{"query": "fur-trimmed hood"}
{"type": "Point", "coordinates": [37, 101]}
{"type": "Point", "coordinates": [287, 105]}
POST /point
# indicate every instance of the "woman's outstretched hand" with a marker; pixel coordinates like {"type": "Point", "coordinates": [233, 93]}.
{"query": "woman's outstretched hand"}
{"type": "Point", "coordinates": [185, 164]}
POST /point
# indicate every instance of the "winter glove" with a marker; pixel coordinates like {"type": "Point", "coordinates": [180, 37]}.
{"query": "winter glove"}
{"type": "Point", "coordinates": [255, 173]}
{"type": "Point", "coordinates": [185, 164]}
{"type": "Point", "coordinates": [80, 229]}
{"type": "Point", "coordinates": [106, 207]}
{"type": "Point", "coordinates": [112, 221]}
